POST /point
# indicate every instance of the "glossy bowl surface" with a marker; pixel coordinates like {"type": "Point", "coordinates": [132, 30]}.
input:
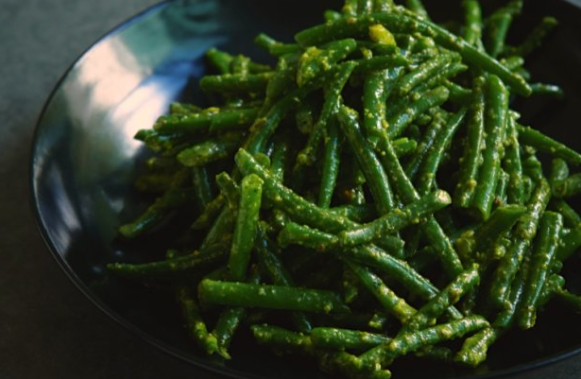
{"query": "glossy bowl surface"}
{"type": "Point", "coordinates": [84, 160]}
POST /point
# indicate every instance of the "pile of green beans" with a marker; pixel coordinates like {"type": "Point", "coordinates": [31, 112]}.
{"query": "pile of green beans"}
{"type": "Point", "coordinates": [371, 195]}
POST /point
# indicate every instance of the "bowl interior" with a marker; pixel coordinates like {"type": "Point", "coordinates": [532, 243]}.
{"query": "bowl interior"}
{"type": "Point", "coordinates": [85, 159]}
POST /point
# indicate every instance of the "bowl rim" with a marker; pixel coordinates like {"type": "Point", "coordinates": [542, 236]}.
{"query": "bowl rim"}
{"type": "Point", "coordinates": [199, 362]}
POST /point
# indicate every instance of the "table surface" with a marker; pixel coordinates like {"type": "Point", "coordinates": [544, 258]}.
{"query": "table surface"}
{"type": "Point", "coordinates": [48, 329]}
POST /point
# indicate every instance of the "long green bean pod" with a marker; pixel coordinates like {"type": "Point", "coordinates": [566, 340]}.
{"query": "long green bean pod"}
{"type": "Point", "coordinates": [429, 313]}
{"type": "Point", "coordinates": [474, 141]}
{"type": "Point", "coordinates": [412, 341]}
{"type": "Point", "coordinates": [494, 127]}
{"type": "Point", "coordinates": [548, 240]}
{"type": "Point", "coordinates": [369, 163]}
{"type": "Point", "coordinates": [526, 230]}
{"type": "Point", "coordinates": [472, 22]}
{"type": "Point", "coordinates": [246, 224]}
{"type": "Point", "coordinates": [267, 296]}
{"type": "Point", "coordinates": [407, 193]}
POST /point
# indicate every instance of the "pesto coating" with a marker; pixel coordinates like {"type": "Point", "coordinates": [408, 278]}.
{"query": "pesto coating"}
{"type": "Point", "coordinates": [246, 225]}
{"type": "Point", "coordinates": [237, 294]}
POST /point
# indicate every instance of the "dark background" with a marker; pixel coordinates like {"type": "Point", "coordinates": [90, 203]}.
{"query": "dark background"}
{"type": "Point", "coordinates": [48, 329]}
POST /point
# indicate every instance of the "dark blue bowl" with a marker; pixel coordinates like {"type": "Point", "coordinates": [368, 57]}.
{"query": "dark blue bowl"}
{"type": "Point", "coordinates": [84, 160]}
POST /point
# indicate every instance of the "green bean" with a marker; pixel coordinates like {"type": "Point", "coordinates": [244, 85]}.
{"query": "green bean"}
{"type": "Point", "coordinates": [474, 349]}
{"type": "Point", "coordinates": [458, 94]}
{"type": "Point", "coordinates": [374, 104]}
{"type": "Point", "coordinates": [222, 61]}
{"type": "Point", "coordinates": [526, 230]}
{"type": "Point", "coordinates": [532, 137]}
{"type": "Point", "coordinates": [308, 237]}
{"type": "Point", "coordinates": [407, 193]}
{"type": "Point", "coordinates": [534, 38]}
{"type": "Point", "coordinates": [395, 220]}
{"type": "Point", "coordinates": [368, 162]}
{"type": "Point", "coordinates": [500, 197]}
{"type": "Point", "coordinates": [387, 298]}
{"type": "Point", "coordinates": [305, 116]}
{"type": "Point", "coordinates": [474, 244]}
{"type": "Point", "coordinates": [548, 90]}
{"type": "Point", "coordinates": [195, 324]}
{"type": "Point", "coordinates": [183, 108]}
{"type": "Point", "coordinates": [350, 8]}
{"type": "Point", "coordinates": [433, 129]}
{"type": "Point", "coordinates": [272, 264]}
{"type": "Point", "coordinates": [533, 168]}
{"type": "Point", "coordinates": [548, 240]}
{"type": "Point", "coordinates": [570, 216]}
{"type": "Point", "coordinates": [173, 198]}
{"type": "Point", "coordinates": [331, 15]}
{"type": "Point", "coordinates": [264, 126]}
{"type": "Point", "coordinates": [383, 5]}
{"type": "Point", "coordinates": [569, 244]}
{"type": "Point", "coordinates": [417, 7]}
{"type": "Point", "coordinates": [559, 171]}
{"type": "Point", "coordinates": [330, 107]}
{"type": "Point", "coordinates": [209, 214]}
{"type": "Point", "coordinates": [345, 339]}
{"type": "Point", "coordinates": [219, 59]}
{"type": "Point", "coordinates": [229, 189]}
{"type": "Point", "coordinates": [571, 186]}
{"type": "Point", "coordinates": [296, 206]}
{"type": "Point", "coordinates": [203, 190]}
{"type": "Point", "coordinates": [472, 22]}
{"type": "Point", "coordinates": [382, 62]}
{"type": "Point", "coordinates": [246, 224]}
{"type": "Point", "coordinates": [209, 118]}
{"type": "Point", "coordinates": [473, 146]}
{"type": "Point", "coordinates": [315, 61]}
{"type": "Point", "coordinates": [412, 341]}
{"type": "Point", "coordinates": [495, 128]}
{"type": "Point", "coordinates": [320, 241]}
{"type": "Point", "coordinates": [280, 156]}
{"type": "Point", "coordinates": [406, 22]}
{"type": "Point", "coordinates": [228, 322]}
{"type": "Point", "coordinates": [270, 297]}
{"type": "Point", "coordinates": [506, 317]}
{"type": "Point", "coordinates": [235, 83]}
{"type": "Point", "coordinates": [421, 73]}
{"type": "Point", "coordinates": [357, 213]}
{"type": "Point", "coordinates": [225, 328]}
{"type": "Point", "coordinates": [404, 146]}
{"type": "Point", "coordinates": [281, 338]}
{"type": "Point", "coordinates": [429, 313]}
{"type": "Point", "coordinates": [330, 166]}
{"type": "Point", "coordinates": [512, 163]}
{"type": "Point", "coordinates": [497, 29]}
{"type": "Point", "coordinates": [183, 265]}
{"type": "Point", "coordinates": [275, 47]}
{"type": "Point", "coordinates": [400, 121]}
{"type": "Point", "coordinates": [210, 150]}
{"type": "Point", "coordinates": [364, 7]}
{"type": "Point", "coordinates": [431, 162]}
{"type": "Point", "coordinates": [554, 284]}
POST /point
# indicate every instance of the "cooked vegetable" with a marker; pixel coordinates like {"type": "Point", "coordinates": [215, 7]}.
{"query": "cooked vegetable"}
{"type": "Point", "coordinates": [371, 195]}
